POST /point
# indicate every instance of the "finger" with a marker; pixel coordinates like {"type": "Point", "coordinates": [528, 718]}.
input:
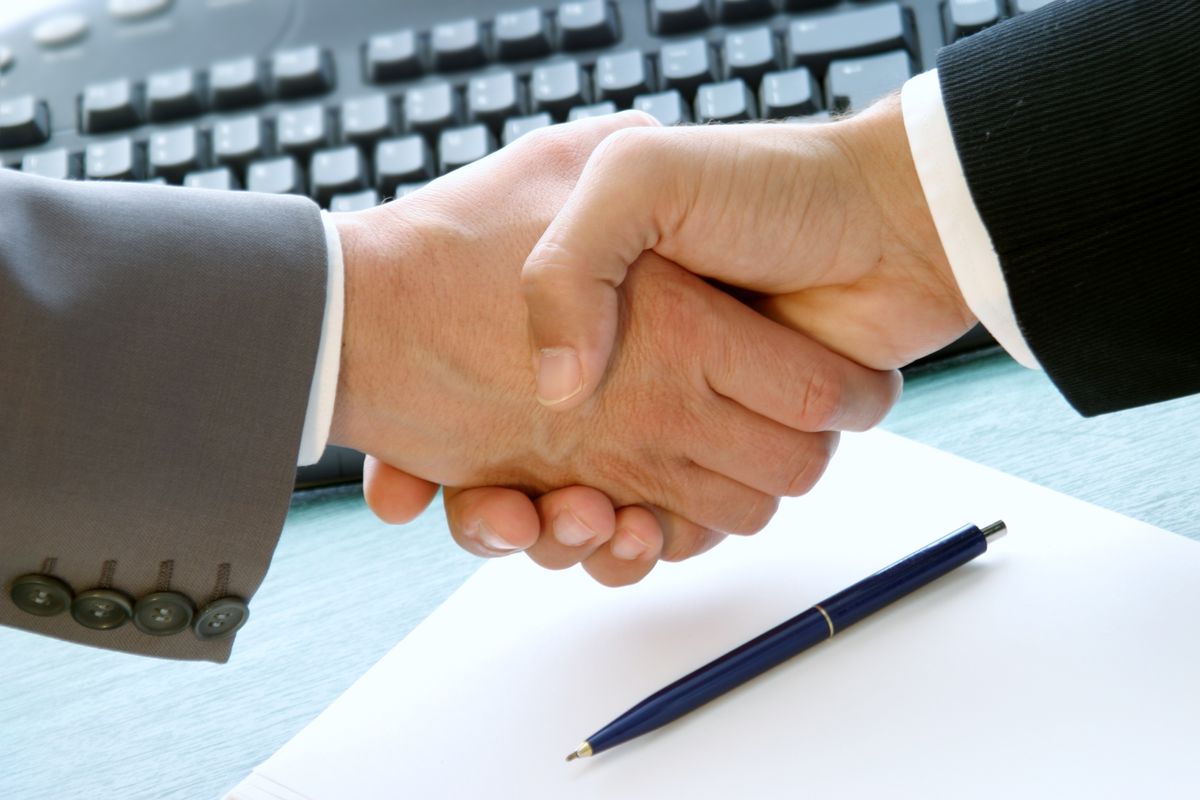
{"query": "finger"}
{"type": "Point", "coordinates": [791, 379]}
{"type": "Point", "coordinates": [631, 553]}
{"type": "Point", "coordinates": [760, 452]}
{"type": "Point", "coordinates": [575, 521]}
{"type": "Point", "coordinates": [570, 278]}
{"type": "Point", "coordinates": [683, 538]}
{"type": "Point", "coordinates": [395, 496]}
{"type": "Point", "coordinates": [712, 501]}
{"type": "Point", "coordinates": [491, 521]}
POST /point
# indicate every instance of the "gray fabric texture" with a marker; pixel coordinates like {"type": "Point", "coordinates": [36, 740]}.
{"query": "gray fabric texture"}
{"type": "Point", "coordinates": [157, 346]}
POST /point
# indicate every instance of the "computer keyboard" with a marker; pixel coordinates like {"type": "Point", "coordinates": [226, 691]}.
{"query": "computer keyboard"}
{"type": "Point", "coordinates": [356, 101]}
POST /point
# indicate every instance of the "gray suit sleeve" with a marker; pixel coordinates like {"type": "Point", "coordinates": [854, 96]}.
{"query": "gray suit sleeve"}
{"type": "Point", "coordinates": [156, 351]}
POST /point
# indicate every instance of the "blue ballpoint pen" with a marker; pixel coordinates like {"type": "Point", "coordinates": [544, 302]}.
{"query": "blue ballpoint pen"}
{"type": "Point", "coordinates": [796, 635]}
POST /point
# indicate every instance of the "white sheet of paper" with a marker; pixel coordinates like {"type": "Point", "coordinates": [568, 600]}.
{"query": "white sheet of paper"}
{"type": "Point", "coordinates": [1062, 663]}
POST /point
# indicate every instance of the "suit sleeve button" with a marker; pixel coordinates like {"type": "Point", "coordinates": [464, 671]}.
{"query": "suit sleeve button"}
{"type": "Point", "coordinates": [163, 613]}
{"type": "Point", "coordinates": [41, 595]}
{"type": "Point", "coordinates": [221, 619]}
{"type": "Point", "coordinates": [102, 609]}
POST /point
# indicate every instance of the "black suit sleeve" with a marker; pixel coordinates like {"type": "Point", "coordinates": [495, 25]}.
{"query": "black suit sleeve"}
{"type": "Point", "coordinates": [1078, 128]}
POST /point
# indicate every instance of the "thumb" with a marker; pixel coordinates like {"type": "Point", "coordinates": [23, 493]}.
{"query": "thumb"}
{"type": "Point", "coordinates": [395, 496]}
{"type": "Point", "coordinates": [571, 276]}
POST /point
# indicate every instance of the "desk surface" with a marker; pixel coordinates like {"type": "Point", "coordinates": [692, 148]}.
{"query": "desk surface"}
{"type": "Point", "coordinates": [81, 723]}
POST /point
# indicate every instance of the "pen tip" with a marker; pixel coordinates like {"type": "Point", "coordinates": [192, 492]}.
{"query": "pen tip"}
{"type": "Point", "coordinates": [583, 751]}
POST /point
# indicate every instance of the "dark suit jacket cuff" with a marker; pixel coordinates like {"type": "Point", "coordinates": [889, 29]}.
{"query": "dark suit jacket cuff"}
{"type": "Point", "coordinates": [1077, 128]}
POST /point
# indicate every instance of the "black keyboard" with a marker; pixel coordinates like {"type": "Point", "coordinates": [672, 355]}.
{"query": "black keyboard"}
{"type": "Point", "coordinates": [356, 101]}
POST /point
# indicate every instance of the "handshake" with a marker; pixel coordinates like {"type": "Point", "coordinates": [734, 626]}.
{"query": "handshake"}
{"type": "Point", "coordinates": [536, 332]}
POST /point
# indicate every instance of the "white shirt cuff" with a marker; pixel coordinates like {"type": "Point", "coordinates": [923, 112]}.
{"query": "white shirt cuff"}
{"type": "Point", "coordinates": [968, 246]}
{"type": "Point", "coordinates": [323, 392]}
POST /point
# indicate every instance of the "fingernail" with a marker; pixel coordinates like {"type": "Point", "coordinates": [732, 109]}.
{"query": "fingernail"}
{"type": "Point", "coordinates": [560, 376]}
{"type": "Point", "coordinates": [627, 546]}
{"type": "Point", "coordinates": [480, 532]}
{"type": "Point", "coordinates": [570, 530]}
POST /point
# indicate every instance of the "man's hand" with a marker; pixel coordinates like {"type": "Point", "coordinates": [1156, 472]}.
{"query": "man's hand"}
{"type": "Point", "coordinates": [829, 220]}
{"type": "Point", "coordinates": [711, 412]}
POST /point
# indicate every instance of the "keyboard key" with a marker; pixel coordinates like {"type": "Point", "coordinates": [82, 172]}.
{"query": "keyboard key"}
{"type": "Point", "coordinates": [407, 159]}
{"type": "Point", "coordinates": [301, 129]}
{"type": "Point", "coordinates": [431, 108]}
{"type": "Point", "coordinates": [355, 201]}
{"type": "Point", "coordinates": [236, 82]}
{"type": "Point", "coordinates": [237, 140]}
{"type": "Point", "coordinates": [817, 38]}
{"type": "Point", "coordinates": [173, 153]}
{"type": "Point", "coordinates": [392, 56]}
{"type": "Point", "coordinates": [460, 146]}
{"type": "Point", "coordinates": [276, 175]}
{"type": "Point", "coordinates": [791, 93]}
{"type": "Point", "coordinates": [337, 171]}
{"type": "Point", "coordinates": [748, 54]}
{"type": "Point", "coordinates": [172, 94]}
{"type": "Point", "coordinates": [365, 119]}
{"type": "Point", "coordinates": [667, 107]}
{"type": "Point", "coordinates": [1025, 6]}
{"type": "Point", "coordinates": [620, 77]}
{"type": "Point", "coordinates": [736, 10]}
{"type": "Point", "coordinates": [405, 189]}
{"type": "Point", "coordinates": [964, 17]}
{"type": "Point", "coordinates": [60, 29]}
{"type": "Point", "coordinates": [56, 163]}
{"type": "Point", "coordinates": [517, 127]}
{"type": "Point", "coordinates": [492, 98]}
{"type": "Point", "coordinates": [114, 160]}
{"type": "Point", "coordinates": [584, 24]}
{"type": "Point", "coordinates": [558, 87]}
{"type": "Point", "coordinates": [685, 65]}
{"type": "Point", "coordinates": [457, 45]}
{"type": "Point", "coordinates": [678, 16]}
{"type": "Point", "coordinates": [129, 10]}
{"type": "Point", "coordinates": [854, 84]}
{"type": "Point", "coordinates": [221, 178]}
{"type": "Point", "coordinates": [521, 34]}
{"type": "Point", "coordinates": [301, 71]}
{"type": "Point", "coordinates": [596, 110]}
{"type": "Point", "coordinates": [728, 101]}
{"type": "Point", "coordinates": [24, 120]}
{"type": "Point", "coordinates": [109, 106]}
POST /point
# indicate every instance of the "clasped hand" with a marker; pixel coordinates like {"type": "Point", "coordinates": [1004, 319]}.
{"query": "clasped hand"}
{"type": "Point", "coordinates": [653, 413]}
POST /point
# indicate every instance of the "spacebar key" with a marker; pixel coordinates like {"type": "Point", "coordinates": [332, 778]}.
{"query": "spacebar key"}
{"type": "Point", "coordinates": [815, 39]}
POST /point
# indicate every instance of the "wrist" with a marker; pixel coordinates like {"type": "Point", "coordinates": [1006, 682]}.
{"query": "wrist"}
{"type": "Point", "coordinates": [878, 143]}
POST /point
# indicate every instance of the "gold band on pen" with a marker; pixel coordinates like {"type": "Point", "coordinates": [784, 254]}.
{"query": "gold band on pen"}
{"type": "Point", "coordinates": [828, 621]}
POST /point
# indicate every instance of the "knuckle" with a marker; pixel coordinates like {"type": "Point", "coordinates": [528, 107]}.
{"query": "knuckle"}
{"type": "Point", "coordinates": [557, 146]}
{"type": "Point", "coordinates": [821, 399]}
{"type": "Point", "coordinates": [634, 117]}
{"type": "Point", "coordinates": [548, 264]}
{"type": "Point", "coordinates": [617, 149]}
